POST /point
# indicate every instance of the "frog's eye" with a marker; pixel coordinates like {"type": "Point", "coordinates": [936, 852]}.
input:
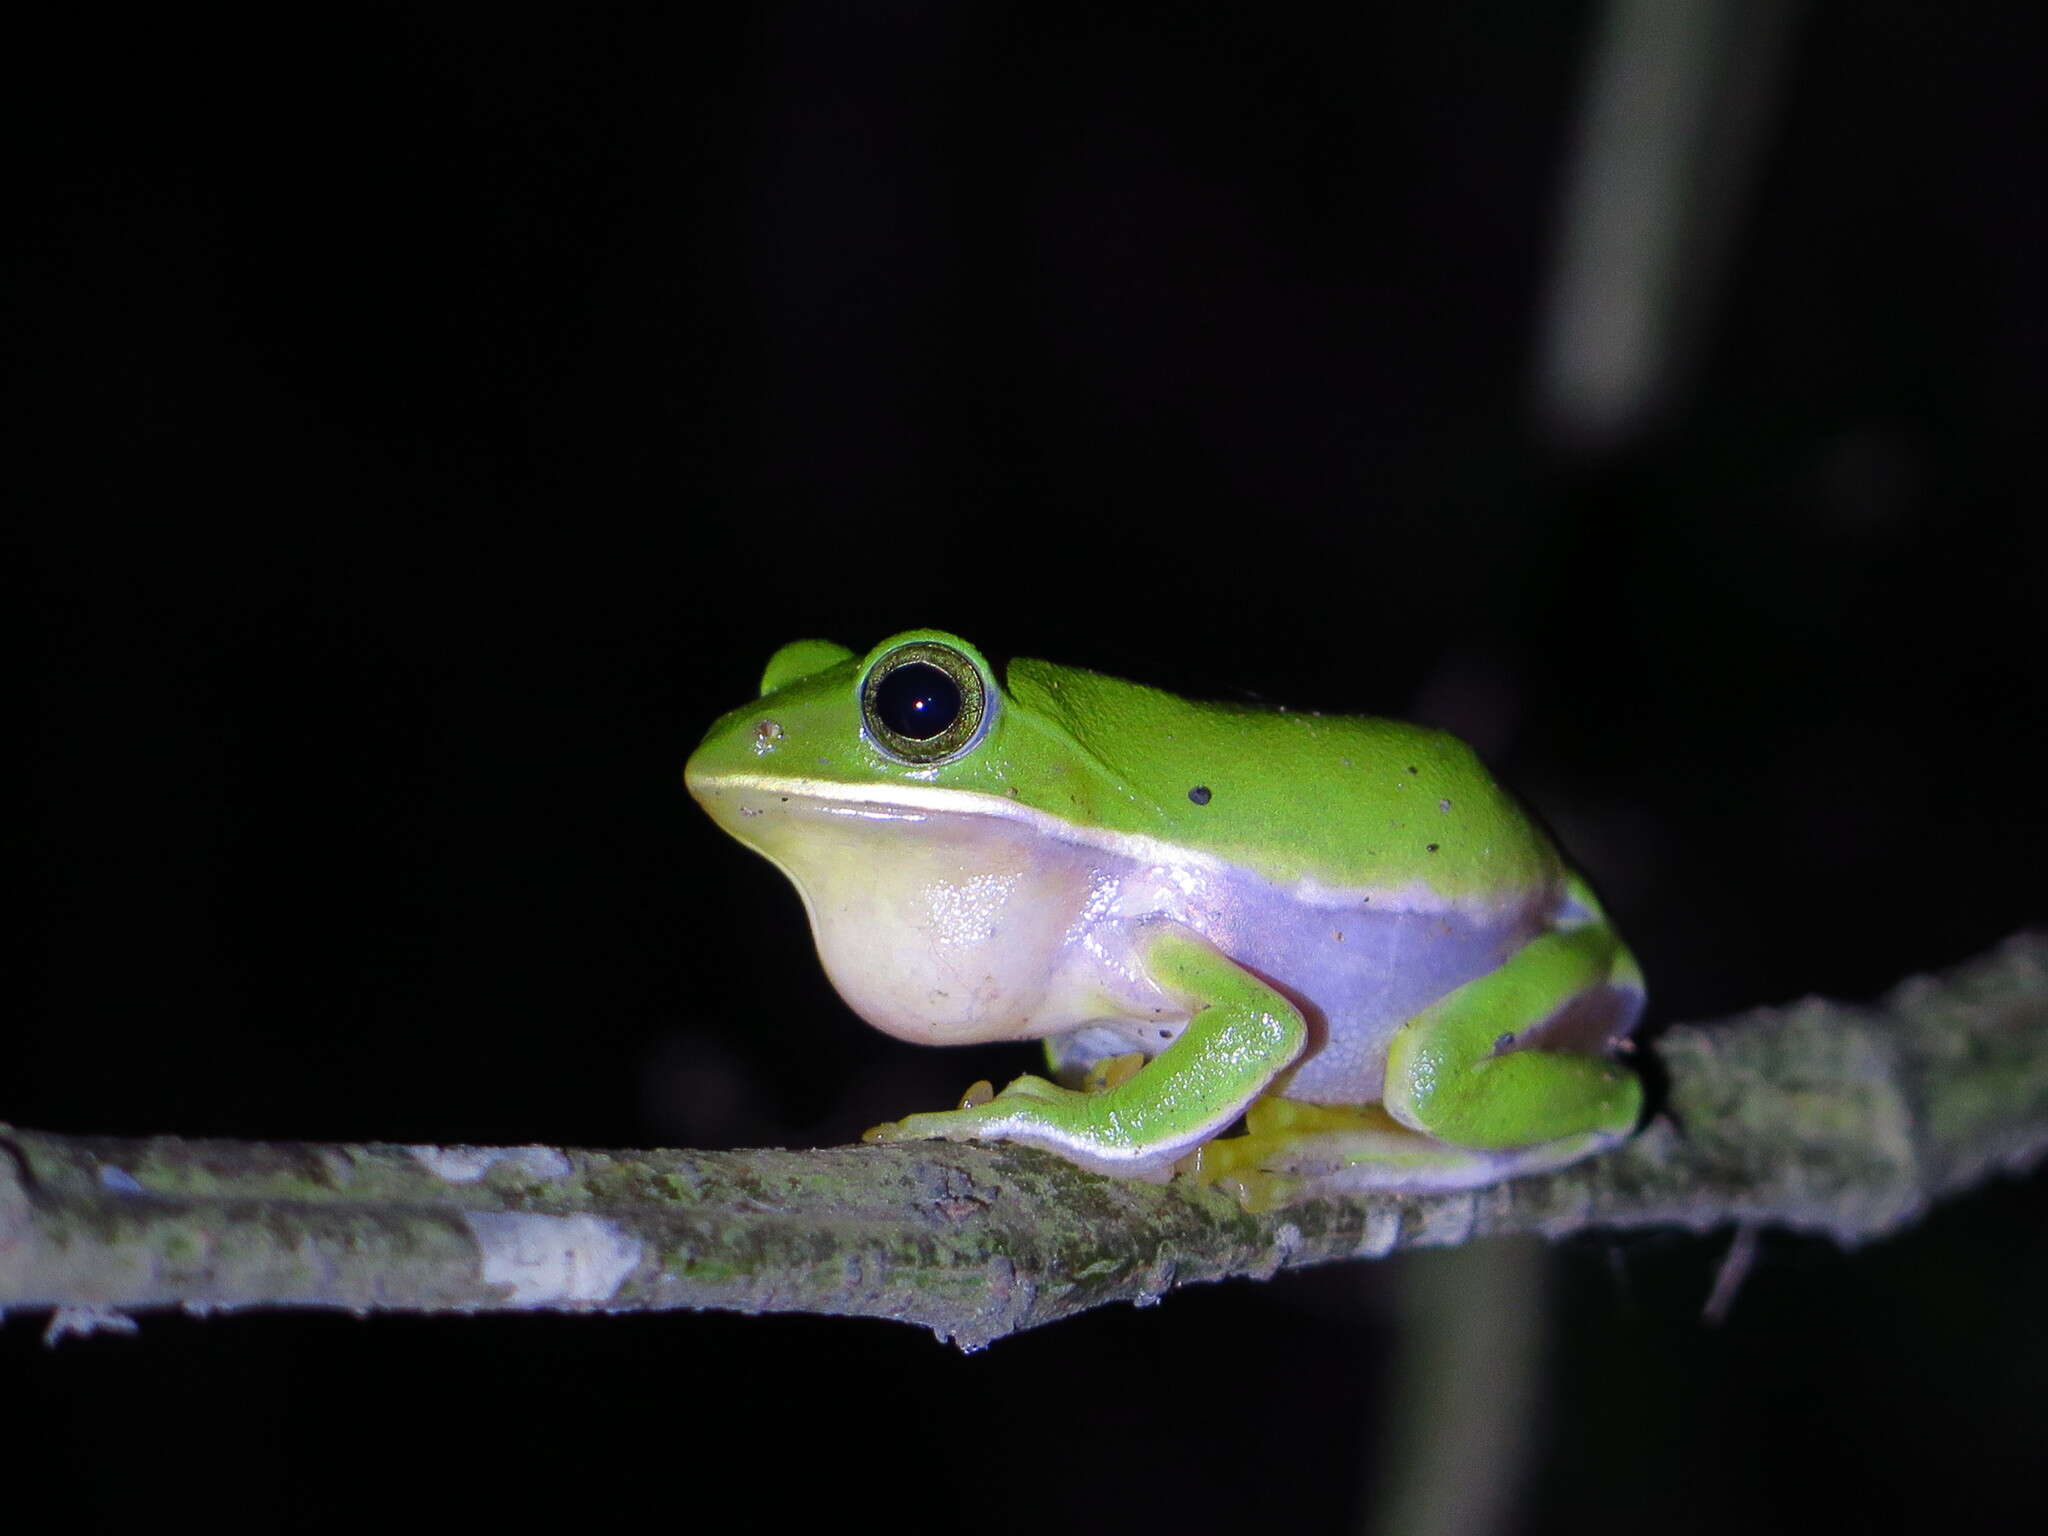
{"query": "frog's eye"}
{"type": "Point", "coordinates": [923, 702]}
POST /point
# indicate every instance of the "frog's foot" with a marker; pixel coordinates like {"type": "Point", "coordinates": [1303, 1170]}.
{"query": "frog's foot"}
{"type": "Point", "coordinates": [1293, 1151]}
{"type": "Point", "coordinates": [1111, 1071]}
{"type": "Point", "coordinates": [969, 1120]}
{"type": "Point", "coordinates": [1039, 1114]}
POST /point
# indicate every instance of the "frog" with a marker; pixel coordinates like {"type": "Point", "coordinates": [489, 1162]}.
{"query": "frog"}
{"type": "Point", "coordinates": [1281, 953]}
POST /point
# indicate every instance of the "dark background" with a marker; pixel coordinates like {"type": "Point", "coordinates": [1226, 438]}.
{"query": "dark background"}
{"type": "Point", "coordinates": [419, 424]}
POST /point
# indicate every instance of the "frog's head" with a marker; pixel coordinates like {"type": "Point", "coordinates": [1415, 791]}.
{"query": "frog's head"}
{"type": "Point", "coordinates": [918, 704]}
{"type": "Point", "coordinates": [904, 794]}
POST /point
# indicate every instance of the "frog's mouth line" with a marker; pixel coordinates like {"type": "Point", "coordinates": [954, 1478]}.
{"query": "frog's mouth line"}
{"type": "Point", "coordinates": [905, 802]}
{"type": "Point", "coordinates": [915, 803]}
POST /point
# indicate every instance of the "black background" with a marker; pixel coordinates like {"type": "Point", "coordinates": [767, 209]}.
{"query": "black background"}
{"type": "Point", "coordinates": [419, 424]}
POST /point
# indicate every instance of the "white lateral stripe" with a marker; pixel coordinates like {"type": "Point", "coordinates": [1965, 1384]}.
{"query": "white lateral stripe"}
{"type": "Point", "coordinates": [912, 802]}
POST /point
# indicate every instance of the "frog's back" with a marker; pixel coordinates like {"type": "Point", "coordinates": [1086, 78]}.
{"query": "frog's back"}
{"type": "Point", "coordinates": [1351, 803]}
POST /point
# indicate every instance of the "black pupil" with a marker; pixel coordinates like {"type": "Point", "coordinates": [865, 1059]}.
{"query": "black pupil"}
{"type": "Point", "coordinates": [917, 701]}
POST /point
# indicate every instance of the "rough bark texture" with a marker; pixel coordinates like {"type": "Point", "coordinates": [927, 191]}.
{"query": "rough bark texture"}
{"type": "Point", "coordinates": [1820, 1117]}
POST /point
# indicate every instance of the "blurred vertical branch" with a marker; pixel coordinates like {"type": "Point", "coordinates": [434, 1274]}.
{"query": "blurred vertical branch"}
{"type": "Point", "coordinates": [1676, 110]}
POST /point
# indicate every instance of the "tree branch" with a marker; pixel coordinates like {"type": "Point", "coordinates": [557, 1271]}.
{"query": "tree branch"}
{"type": "Point", "coordinates": [1820, 1117]}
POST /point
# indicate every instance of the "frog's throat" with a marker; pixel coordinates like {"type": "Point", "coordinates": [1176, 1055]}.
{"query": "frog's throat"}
{"type": "Point", "coordinates": [914, 803]}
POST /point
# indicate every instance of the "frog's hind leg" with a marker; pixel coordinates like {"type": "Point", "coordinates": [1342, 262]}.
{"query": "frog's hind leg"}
{"type": "Point", "coordinates": [1507, 1075]}
{"type": "Point", "coordinates": [1519, 1057]}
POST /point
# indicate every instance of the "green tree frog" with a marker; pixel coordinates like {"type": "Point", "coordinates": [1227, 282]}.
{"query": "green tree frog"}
{"type": "Point", "coordinates": [1339, 930]}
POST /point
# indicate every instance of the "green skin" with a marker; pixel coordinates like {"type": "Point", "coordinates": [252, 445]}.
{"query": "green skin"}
{"type": "Point", "coordinates": [1339, 928]}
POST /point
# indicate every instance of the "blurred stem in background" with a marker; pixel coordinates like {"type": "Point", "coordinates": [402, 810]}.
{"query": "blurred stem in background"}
{"type": "Point", "coordinates": [1679, 100]}
{"type": "Point", "coordinates": [1677, 106]}
{"type": "Point", "coordinates": [1467, 1376]}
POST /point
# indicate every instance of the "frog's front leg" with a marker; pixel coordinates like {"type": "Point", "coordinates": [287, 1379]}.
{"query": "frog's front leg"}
{"type": "Point", "coordinates": [1240, 1034]}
